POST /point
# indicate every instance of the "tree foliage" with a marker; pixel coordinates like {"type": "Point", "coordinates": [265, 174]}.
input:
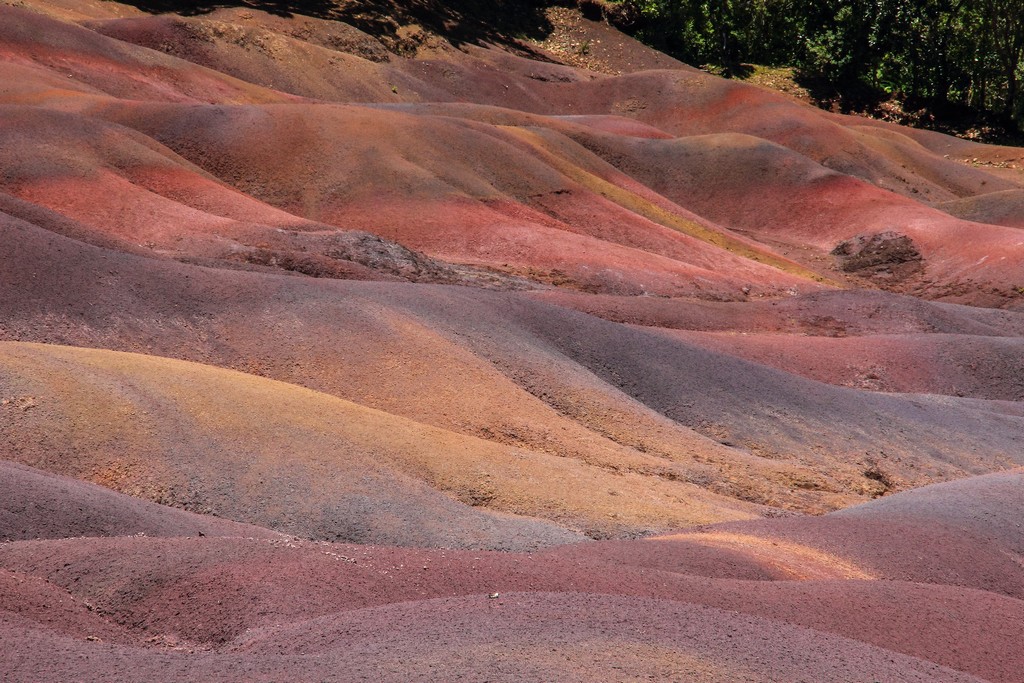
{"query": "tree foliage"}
{"type": "Point", "coordinates": [968, 52]}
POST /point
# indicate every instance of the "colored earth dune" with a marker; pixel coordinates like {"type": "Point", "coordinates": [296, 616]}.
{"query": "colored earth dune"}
{"type": "Point", "coordinates": [374, 340]}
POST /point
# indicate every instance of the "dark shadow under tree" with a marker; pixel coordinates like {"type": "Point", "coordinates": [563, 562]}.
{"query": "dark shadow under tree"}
{"type": "Point", "coordinates": [499, 22]}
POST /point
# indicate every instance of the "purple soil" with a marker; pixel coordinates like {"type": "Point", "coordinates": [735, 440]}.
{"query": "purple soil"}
{"type": "Point", "coordinates": [952, 365]}
{"type": "Point", "coordinates": [532, 343]}
{"type": "Point", "coordinates": [323, 606]}
{"type": "Point", "coordinates": [725, 642]}
{"type": "Point", "coordinates": [31, 602]}
{"type": "Point", "coordinates": [98, 64]}
{"type": "Point", "coordinates": [746, 183]}
{"type": "Point", "coordinates": [446, 209]}
{"type": "Point", "coordinates": [924, 553]}
{"type": "Point", "coordinates": [141, 584]}
{"type": "Point", "coordinates": [664, 277]}
{"type": "Point", "coordinates": [999, 208]}
{"type": "Point", "coordinates": [211, 441]}
{"type": "Point", "coordinates": [987, 507]}
{"type": "Point", "coordinates": [437, 162]}
{"type": "Point", "coordinates": [527, 637]}
{"type": "Point", "coordinates": [825, 314]}
{"type": "Point", "coordinates": [35, 505]}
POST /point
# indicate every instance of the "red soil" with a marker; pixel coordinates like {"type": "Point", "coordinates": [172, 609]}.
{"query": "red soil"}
{"type": "Point", "coordinates": [532, 637]}
{"type": "Point", "coordinates": [256, 600]}
{"type": "Point", "coordinates": [500, 367]}
{"type": "Point", "coordinates": [949, 364]}
{"type": "Point", "coordinates": [228, 248]}
{"type": "Point", "coordinates": [404, 153]}
{"type": "Point", "coordinates": [828, 314]}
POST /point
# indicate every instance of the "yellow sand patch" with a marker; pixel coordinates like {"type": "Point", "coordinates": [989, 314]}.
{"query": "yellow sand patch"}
{"type": "Point", "coordinates": [651, 211]}
{"type": "Point", "coordinates": [150, 420]}
{"type": "Point", "coordinates": [798, 562]}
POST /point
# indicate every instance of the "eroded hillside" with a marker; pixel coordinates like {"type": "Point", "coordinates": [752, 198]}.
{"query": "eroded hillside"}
{"type": "Point", "coordinates": [431, 276]}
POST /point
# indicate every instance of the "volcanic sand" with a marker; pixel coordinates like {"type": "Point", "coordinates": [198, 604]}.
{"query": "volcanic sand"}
{"type": "Point", "coordinates": [506, 369]}
{"type": "Point", "coordinates": [185, 204]}
{"type": "Point", "coordinates": [368, 603]}
{"type": "Point", "coordinates": [490, 212]}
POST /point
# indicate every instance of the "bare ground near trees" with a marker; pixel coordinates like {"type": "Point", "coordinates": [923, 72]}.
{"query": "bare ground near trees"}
{"type": "Point", "coordinates": [414, 340]}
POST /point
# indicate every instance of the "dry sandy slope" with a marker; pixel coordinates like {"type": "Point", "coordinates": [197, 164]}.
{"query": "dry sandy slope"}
{"type": "Point", "coordinates": [752, 184]}
{"type": "Point", "coordinates": [507, 369]}
{"type": "Point", "coordinates": [540, 637]}
{"type": "Point", "coordinates": [38, 504]}
{"type": "Point", "coordinates": [169, 184]}
{"type": "Point", "coordinates": [1000, 208]}
{"type": "Point", "coordinates": [273, 454]}
{"type": "Point", "coordinates": [824, 314]}
{"type": "Point", "coordinates": [987, 507]}
{"type": "Point", "coordinates": [657, 219]}
{"type": "Point", "coordinates": [953, 365]}
{"type": "Point", "coordinates": [414, 164]}
{"type": "Point", "coordinates": [835, 602]}
{"type": "Point", "coordinates": [870, 341]}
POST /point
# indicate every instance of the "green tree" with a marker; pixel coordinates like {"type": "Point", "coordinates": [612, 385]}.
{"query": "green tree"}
{"type": "Point", "coordinates": [1003, 24]}
{"type": "Point", "coordinates": [968, 52]}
